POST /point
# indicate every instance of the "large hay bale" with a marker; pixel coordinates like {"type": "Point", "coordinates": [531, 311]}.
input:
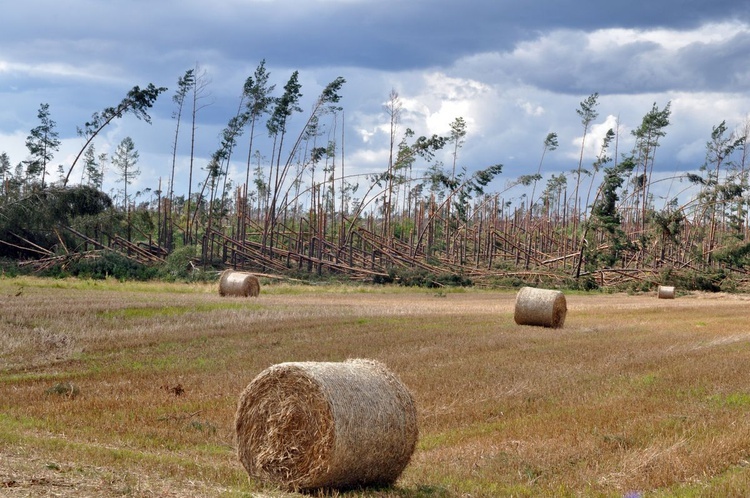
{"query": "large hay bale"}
{"type": "Point", "coordinates": [310, 425]}
{"type": "Point", "coordinates": [665, 292]}
{"type": "Point", "coordinates": [543, 307]}
{"type": "Point", "coordinates": [237, 283]}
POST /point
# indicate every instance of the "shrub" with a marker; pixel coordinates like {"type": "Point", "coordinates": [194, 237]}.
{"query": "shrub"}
{"type": "Point", "coordinates": [180, 265]}
{"type": "Point", "coordinates": [9, 267]}
{"type": "Point", "coordinates": [419, 277]}
{"type": "Point", "coordinates": [700, 281]}
{"type": "Point", "coordinates": [108, 264]}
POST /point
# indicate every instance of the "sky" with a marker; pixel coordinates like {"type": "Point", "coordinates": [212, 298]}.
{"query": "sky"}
{"type": "Point", "coordinates": [513, 70]}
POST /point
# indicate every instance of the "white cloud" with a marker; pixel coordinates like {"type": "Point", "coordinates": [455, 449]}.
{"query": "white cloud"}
{"type": "Point", "coordinates": [670, 39]}
{"type": "Point", "coordinates": [94, 73]}
{"type": "Point", "coordinates": [530, 108]}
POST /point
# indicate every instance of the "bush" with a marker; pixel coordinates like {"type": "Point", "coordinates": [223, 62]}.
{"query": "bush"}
{"type": "Point", "coordinates": [419, 277]}
{"type": "Point", "coordinates": [585, 283]}
{"type": "Point", "coordinates": [108, 264]}
{"type": "Point", "coordinates": [180, 265]}
{"type": "Point", "coordinates": [9, 268]}
{"type": "Point", "coordinates": [693, 280]}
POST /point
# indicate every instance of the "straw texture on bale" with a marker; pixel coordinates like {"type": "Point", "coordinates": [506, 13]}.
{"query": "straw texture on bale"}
{"type": "Point", "coordinates": [334, 425]}
{"type": "Point", "coordinates": [542, 307]}
{"type": "Point", "coordinates": [237, 283]}
{"type": "Point", "coordinates": [665, 292]}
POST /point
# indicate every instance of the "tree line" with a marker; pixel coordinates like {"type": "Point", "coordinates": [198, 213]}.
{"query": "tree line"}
{"type": "Point", "coordinates": [420, 219]}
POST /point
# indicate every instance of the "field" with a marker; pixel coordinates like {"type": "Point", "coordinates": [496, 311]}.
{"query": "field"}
{"type": "Point", "coordinates": [112, 389]}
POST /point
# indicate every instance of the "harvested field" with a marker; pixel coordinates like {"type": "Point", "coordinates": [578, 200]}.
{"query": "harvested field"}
{"type": "Point", "coordinates": [111, 389]}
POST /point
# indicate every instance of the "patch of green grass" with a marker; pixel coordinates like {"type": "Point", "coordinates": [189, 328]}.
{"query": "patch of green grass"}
{"type": "Point", "coordinates": [432, 441]}
{"type": "Point", "coordinates": [732, 400]}
{"type": "Point", "coordinates": [37, 376]}
{"type": "Point", "coordinates": [13, 427]}
{"type": "Point", "coordinates": [731, 482]}
{"type": "Point", "coordinates": [646, 380]}
{"type": "Point", "coordinates": [212, 449]}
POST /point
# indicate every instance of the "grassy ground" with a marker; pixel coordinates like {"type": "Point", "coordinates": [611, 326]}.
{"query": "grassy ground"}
{"type": "Point", "coordinates": [117, 389]}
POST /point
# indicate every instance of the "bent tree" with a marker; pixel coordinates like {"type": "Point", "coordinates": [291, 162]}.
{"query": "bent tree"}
{"type": "Point", "coordinates": [136, 102]}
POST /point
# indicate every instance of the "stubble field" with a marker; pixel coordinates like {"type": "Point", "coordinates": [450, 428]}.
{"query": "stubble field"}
{"type": "Point", "coordinates": [114, 389]}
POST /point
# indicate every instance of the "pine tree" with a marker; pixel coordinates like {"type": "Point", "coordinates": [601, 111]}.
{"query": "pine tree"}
{"type": "Point", "coordinates": [92, 169]}
{"type": "Point", "coordinates": [125, 159]}
{"type": "Point", "coordinates": [42, 143]}
{"type": "Point", "coordinates": [258, 98]}
{"type": "Point", "coordinates": [647, 137]}
{"type": "Point", "coordinates": [5, 173]}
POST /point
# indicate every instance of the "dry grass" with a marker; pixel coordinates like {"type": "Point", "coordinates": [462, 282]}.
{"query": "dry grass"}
{"type": "Point", "coordinates": [112, 389]}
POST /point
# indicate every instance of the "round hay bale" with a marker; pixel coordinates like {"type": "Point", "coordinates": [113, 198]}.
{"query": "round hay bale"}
{"type": "Point", "coordinates": [665, 292]}
{"type": "Point", "coordinates": [311, 425]}
{"type": "Point", "coordinates": [237, 283]}
{"type": "Point", "coordinates": [543, 307]}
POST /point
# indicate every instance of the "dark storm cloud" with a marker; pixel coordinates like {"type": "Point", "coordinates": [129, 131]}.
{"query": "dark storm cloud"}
{"type": "Point", "coordinates": [721, 66]}
{"type": "Point", "coordinates": [397, 35]}
{"type": "Point", "coordinates": [619, 62]}
{"type": "Point", "coordinates": [387, 35]}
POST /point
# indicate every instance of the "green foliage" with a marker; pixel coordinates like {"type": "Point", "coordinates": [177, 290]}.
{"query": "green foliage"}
{"type": "Point", "coordinates": [403, 228]}
{"type": "Point", "coordinates": [736, 255]}
{"type": "Point", "coordinates": [426, 147]}
{"type": "Point", "coordinates": [258, 92]}
{"type": "Point", "coordinates": [550, 142]}
{"type": "Point", "coordinates": [42, 143]}
{"type": "Point", "coordinates": [647, 137]}
{"type": "Point", "coordinates": [108, 264]}
{"type": "Point", "coordinates": [605, 219]}
{"type": "Point", "coordinates": [136, 102]}
{"type": "Point", "coordinates": [419, 277]}
{"type": "Point", "coordinates": [587, 111]}
{"type": "Point", "coordinates": [80, 201]}
{"type": "Point", "coordinates": [330, 94]}
{"type": "Point", "coordinates": [585, 283]}
{"type": "Point", "coordinates": [63, 389]}
{"type": "Point", "coordinates": [181, 264]}
{"type": "Point", "coordinates": [697, 281]}
{"type": "Point", "coordinates": [184, 84]}
{"type": "Point", "coordinates": [93, 167]}
{"type": "Point", "coordinates": [9, 268]}
{"type": "Point", "coordinates": [463, 188]}
{"type": "Point", "coordinates": [124, 160]}
{"type": "Point", "coordinates": [286, 105]}
{"type": "Point", "coordinates": [511, 282]}
{"type": "Point", "coordinates": [670, 223]}
{"type": "Point", "coordinates": [527, 180]}
{"type": "Point", "coordinates": [37, 218]}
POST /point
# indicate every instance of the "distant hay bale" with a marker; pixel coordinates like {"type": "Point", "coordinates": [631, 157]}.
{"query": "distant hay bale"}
{"type": "Point", "coordinates": [665, 292]}
{"type": "Point", "coordinates": [546, 308]}
{"type": "Point", "coordinates": [310, 425]}
{"type": "Point", "coordinates": [237, 283]}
